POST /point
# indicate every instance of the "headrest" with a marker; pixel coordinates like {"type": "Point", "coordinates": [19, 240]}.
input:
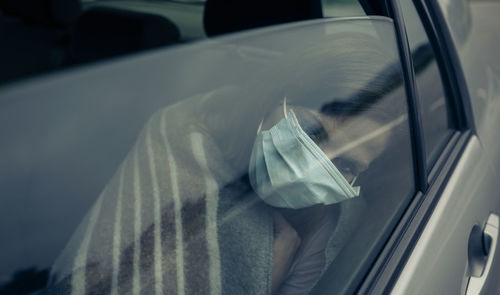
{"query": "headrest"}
{"type": "Point", "coordinates": [104, 32]}
{"type": "Point", "coordinates": [225, 16]}
{"type": "Point", "coordinates": [48, 12]}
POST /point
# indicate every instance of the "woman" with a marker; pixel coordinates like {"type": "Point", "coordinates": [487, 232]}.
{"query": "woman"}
{"type": "Point", "coordinates": [301, 166]}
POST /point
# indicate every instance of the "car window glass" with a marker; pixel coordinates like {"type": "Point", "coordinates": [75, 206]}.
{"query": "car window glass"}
{"type": "Point", "coordinates": [281, 166]}
{"type": "Point", "coordinates": [245, 164]}
{"type": "Point", "coordinates": [436, 121]}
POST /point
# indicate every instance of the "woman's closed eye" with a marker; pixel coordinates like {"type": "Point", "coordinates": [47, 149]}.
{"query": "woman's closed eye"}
{"type": "Point", "coordinates": [311, 126]}
{"type": "Point", "coordinates": [347, 167]}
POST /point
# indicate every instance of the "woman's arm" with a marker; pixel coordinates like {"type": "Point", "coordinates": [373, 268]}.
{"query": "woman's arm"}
{"type": "Point", "coordinates": [285, 245]}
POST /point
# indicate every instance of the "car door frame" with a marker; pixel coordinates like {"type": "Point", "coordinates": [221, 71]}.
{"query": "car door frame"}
{"type": "Point", "coordinates": [393, 257]}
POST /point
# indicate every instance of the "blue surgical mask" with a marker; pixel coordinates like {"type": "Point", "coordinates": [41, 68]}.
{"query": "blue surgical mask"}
{"type": "Point", "coordinates": [288, 170]}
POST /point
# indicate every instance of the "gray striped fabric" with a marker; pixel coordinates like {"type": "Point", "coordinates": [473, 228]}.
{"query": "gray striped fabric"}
{"type": "Point", "coordinates": [175, 219]}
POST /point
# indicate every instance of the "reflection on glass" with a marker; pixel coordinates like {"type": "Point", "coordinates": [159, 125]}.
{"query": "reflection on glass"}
{"type": "Point", "coordinates": [186, 212]}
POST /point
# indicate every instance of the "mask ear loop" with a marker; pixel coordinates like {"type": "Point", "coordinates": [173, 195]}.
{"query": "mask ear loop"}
{"type": "Point", "coordinates": [260, 126]}
{"type": "Point", "coordinates": [353, 180]}
{"type": "Point", "coordinates": [284, 108]}
{"type": "Point", "coordinates": [284, 112]}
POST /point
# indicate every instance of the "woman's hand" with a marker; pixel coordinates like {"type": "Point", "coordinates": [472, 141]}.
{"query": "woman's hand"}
{"type": "Point", "coordinates": [285, 245]}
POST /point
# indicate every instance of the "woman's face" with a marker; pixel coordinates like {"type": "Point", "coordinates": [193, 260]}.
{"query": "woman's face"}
{"type": "Point", "coordinates": [351, 145]}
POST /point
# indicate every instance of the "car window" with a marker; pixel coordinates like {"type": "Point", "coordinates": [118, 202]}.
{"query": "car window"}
{"type": "Point", "coordinates": [249, 163]}
{"type": "Point", "coordinates": [436, 113]}
{"type": "Point", "coordinates": [284, 177]}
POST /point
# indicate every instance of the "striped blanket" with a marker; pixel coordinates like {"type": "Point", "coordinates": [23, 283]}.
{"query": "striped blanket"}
{"type": "Point", "coordinates": [176, 218]}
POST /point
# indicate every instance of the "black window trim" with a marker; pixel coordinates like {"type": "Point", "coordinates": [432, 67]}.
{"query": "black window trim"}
{"type": "Point", "coordinates": [450, 68]}
{"type": "Point", "coordinates": [429, 186]}
{"type": "Point", "coordinates": [414, 107]}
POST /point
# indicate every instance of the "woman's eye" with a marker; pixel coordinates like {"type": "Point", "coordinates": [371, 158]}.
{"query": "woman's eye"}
{"type": "Point", "coordinates": [312, 126]}
{"type": "Point", "coordinates": [345, 166]}
{"type": "Point", "coordinates": [318, 134]}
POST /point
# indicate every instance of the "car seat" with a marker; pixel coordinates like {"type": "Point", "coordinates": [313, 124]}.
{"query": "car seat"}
{"type": "Point", "coordinates": [35, 35]}
{"type": "Point", "coordinates": [226, 16]}
{"type": "Point", "coordinates": [103, 32]}
{"type": "Point", "coordinates": [44, 35]}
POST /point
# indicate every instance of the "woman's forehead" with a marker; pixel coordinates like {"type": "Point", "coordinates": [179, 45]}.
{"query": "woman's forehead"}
{"type": "Point", "coordinates": [359, 137]}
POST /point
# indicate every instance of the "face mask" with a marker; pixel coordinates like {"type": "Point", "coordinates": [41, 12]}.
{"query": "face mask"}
{"type": "Point", "coordinates": [288, 170]}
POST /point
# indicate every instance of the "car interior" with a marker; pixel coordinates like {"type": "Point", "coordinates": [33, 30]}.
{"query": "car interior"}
{"type": "Point", "coordinates": [45, 35]}
{"type": "Point", "coordinates": [41, 36]}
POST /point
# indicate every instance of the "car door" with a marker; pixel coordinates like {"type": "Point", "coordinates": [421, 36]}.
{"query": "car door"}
{"type": "Point", "coordinates": [453, 248]}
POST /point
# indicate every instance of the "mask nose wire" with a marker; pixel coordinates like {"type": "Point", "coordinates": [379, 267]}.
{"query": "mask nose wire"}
{"type": "Point", "coordinates": [260, 126]}
{"type": "Point", "coordinates": [284, 112]}
{"type": "Point", "coordinates": [353, 180]}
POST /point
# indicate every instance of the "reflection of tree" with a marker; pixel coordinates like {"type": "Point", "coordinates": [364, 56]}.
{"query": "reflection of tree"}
{"type": "Point", "coordinates": [25, 281]}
